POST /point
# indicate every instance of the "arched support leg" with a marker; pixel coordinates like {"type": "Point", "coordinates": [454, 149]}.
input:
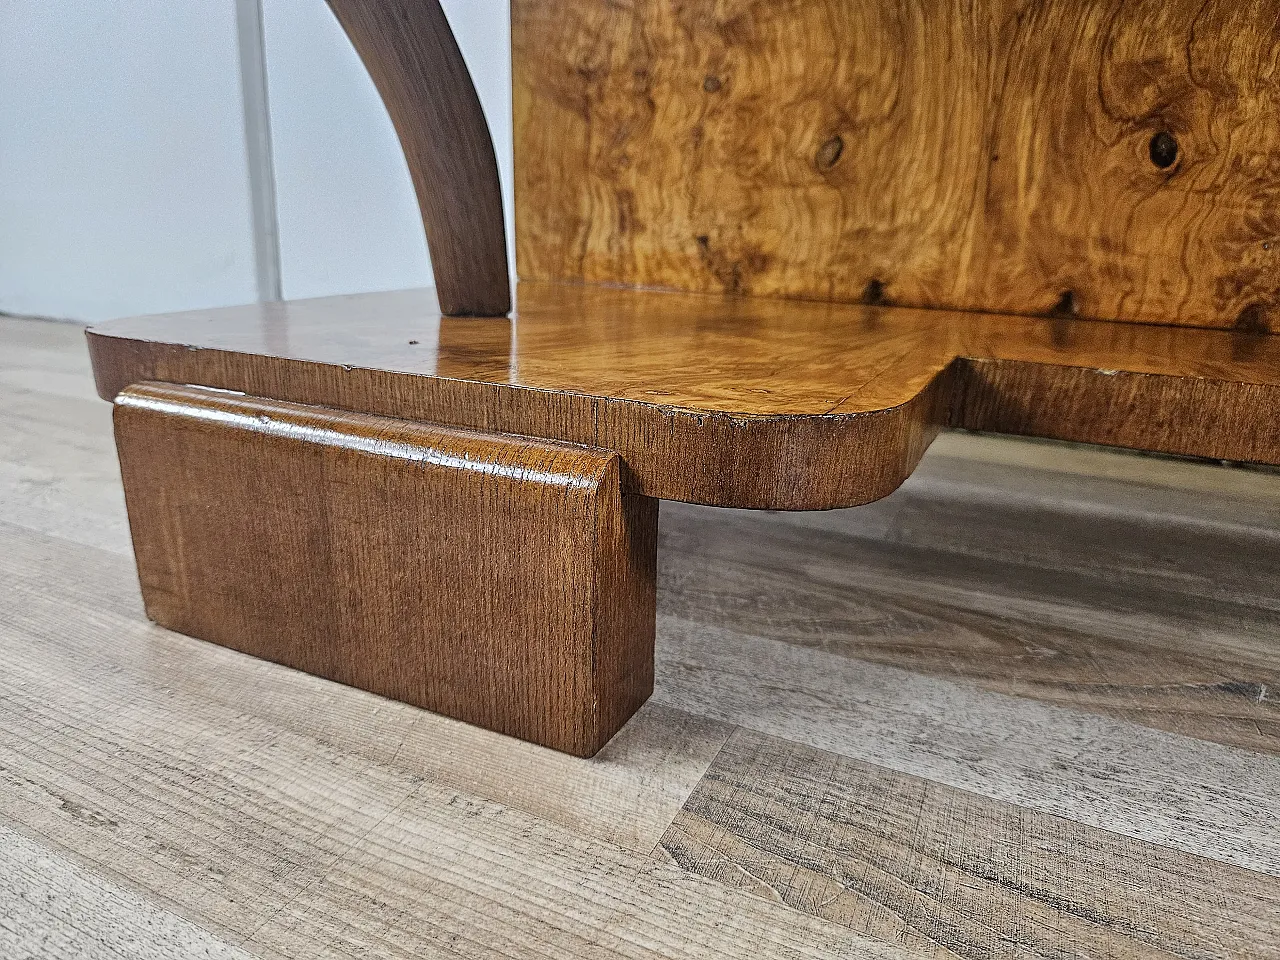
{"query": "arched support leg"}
{"type": "Point", "coordinates": [414, 60]}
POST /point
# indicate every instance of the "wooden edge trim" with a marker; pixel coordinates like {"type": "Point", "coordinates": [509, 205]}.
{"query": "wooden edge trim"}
{"type": "Point", "coordinates": [1159, 413]}
{"type": "Point", "coordinates": [775, 462]}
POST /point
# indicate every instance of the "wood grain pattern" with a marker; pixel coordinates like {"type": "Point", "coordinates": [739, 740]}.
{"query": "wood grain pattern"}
{"type": "Point", "coordinates": [1128, 595]}
{"type": "Point", "coordinates": [290, 816]}
{"type": "Point", "coordinates": [57, 459]}
{"type": "Point", "coordinates": [951, 875]}
{"type": "Point", "coordinates": [144, 769]}
{"type": "Point", "coordinates": [1103, 158]}
{"type": "Point", "coordinates": [414, 61]}
{"type": "Point", "coordinates": [1202, 798]}
{"type": "Point", "coordinates": [724, 401]}
{"type": "Point", "coordinates": [65, 596]}
{"type": "Point", "coordinates": [57, 910]}
{"type": "Point", "coordinates": [502, 581]}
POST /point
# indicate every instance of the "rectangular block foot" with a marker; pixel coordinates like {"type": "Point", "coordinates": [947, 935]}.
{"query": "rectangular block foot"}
{"type": "Point", "coordinates": [503, 581]}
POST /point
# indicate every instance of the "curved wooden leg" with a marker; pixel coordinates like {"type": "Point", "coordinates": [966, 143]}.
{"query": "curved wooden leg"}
{"type": "Point", "coordinates": [415, 63]}
{"type": "Point", "coordinates": [507, 582]}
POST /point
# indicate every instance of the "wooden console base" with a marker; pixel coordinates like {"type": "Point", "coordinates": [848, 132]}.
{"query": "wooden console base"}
{"type": "Point", "coordinates": [503, 581]}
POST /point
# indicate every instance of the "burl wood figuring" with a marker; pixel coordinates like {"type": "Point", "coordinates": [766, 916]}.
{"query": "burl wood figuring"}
{"type": "Point", "coordinates": [767, 252]}
{"type": "Point", "coordinates": [1115, 159]}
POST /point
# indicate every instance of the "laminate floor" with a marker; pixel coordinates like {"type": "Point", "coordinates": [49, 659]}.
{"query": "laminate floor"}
{"type": "Point", "coordinates": [1027, 706]}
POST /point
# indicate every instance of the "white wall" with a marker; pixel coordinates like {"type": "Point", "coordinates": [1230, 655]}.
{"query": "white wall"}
{"type": "Point", "coordinates": [123, 173]}
{"type": "Point", "coordinates": [122, 170]}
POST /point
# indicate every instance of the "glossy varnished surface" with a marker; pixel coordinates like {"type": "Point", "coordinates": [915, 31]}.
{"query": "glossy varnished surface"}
{"type": "Point", "coordinates": [721, 400]}
{"type": "Point", "coordinates": [500, 580]}
{"type": "Point", "coordinates": [1115, 159]}
{"type": "Point", "coordinates": [1023, 709]}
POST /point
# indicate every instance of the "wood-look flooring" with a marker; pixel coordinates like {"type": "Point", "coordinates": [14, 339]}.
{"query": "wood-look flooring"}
{"type": "Point", "coordinates": [1027, 706]}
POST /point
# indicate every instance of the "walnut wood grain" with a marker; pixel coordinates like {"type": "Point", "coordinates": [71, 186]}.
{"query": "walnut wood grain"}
{"type": "Point", "coordinates": [1114, 159]}
{"type": "Point", "coordinates": [414, 61]}
{"type": "Point", "coordinates": [502, 581]}
{"type": "Point", "coordinates": [727, 401]}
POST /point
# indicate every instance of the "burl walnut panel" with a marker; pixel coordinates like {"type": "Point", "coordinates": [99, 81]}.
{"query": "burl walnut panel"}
{"type": "Point", "coordinates": [728, 401]}
{"type": "Point", "coordinates": [1112, 159]}
{"type": "Point", "coordinates": [503, 581]}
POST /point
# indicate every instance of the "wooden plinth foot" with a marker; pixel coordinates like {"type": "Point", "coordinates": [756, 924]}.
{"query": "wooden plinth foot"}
{"type": "Point", "coordinates": [503, 581]}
